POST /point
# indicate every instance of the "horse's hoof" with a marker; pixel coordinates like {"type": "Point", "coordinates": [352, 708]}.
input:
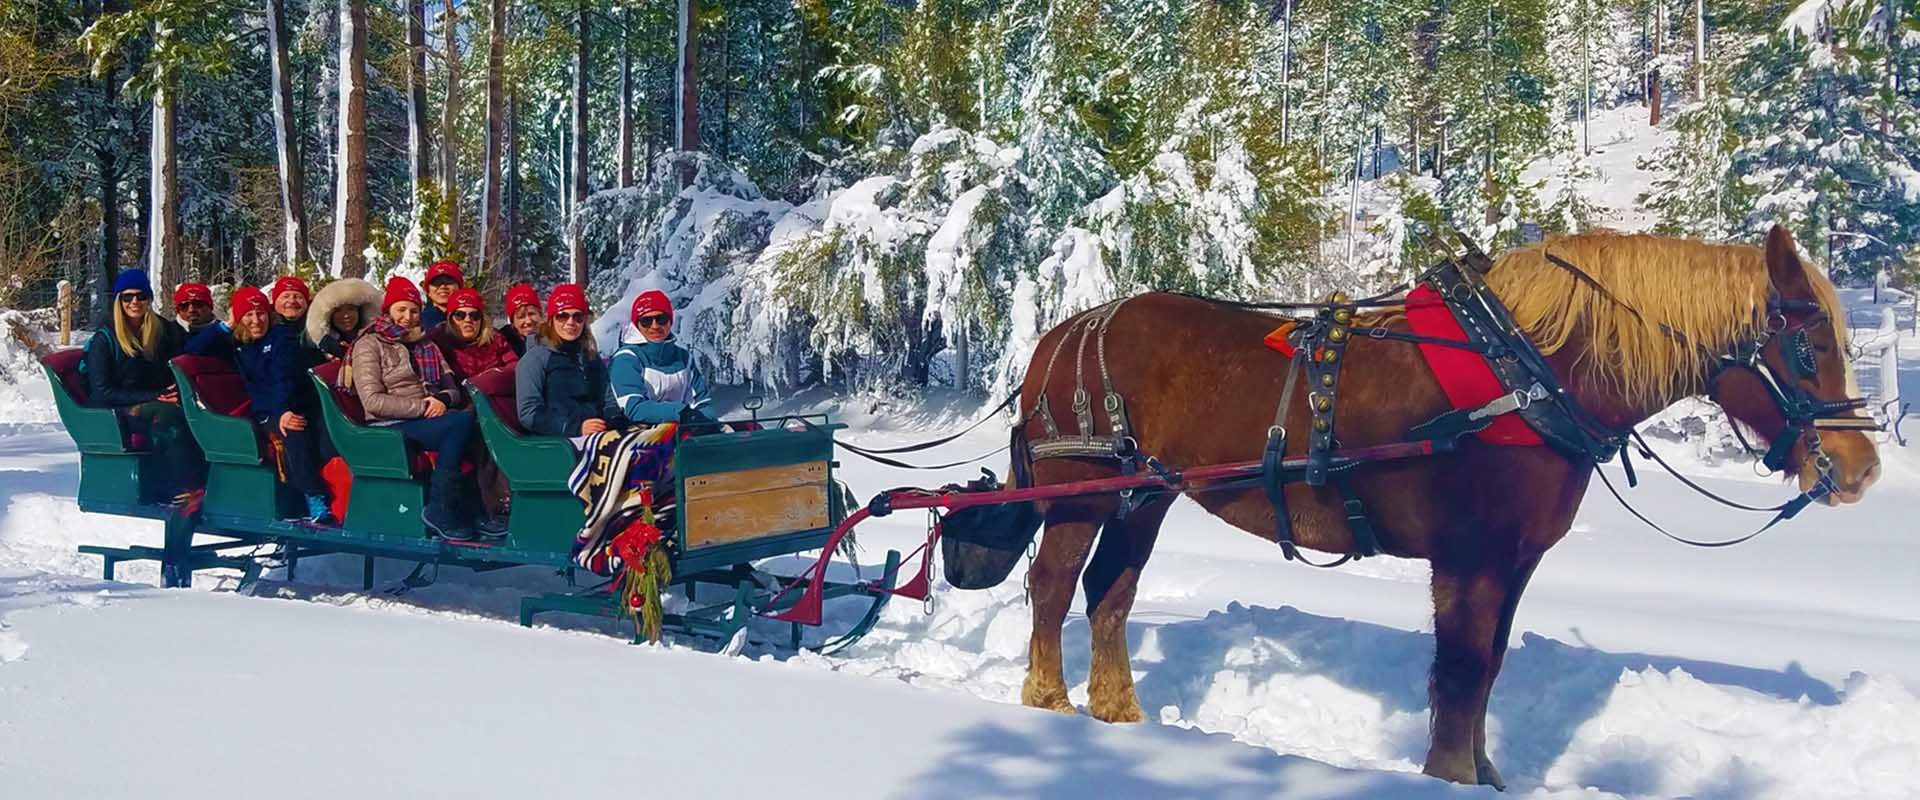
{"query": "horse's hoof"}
{"type": "Point", "coordinates": [1463, 773]}
{"type": "Point", "coordinates": [1488, 775]}
{"type": "Point", "coordinates": [1116, 712]}
{"type": "Point", "coordinates": [1050, 700]}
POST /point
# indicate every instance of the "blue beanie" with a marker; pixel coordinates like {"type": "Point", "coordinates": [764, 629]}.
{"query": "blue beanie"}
{"type": "Point", "coordinates": [132, 280]}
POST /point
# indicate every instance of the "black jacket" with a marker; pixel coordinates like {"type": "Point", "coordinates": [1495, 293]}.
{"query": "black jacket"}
{"type": "Point", "coordinates": [117, 379]}
{"type": "Point", "coordinates": [556, 390]}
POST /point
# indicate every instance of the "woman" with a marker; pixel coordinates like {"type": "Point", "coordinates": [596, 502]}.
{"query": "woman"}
{"type": "Point", "coordinates": [656, 380]}
{"type": "Point", "coordinates": [561, 386]}
{"type": "Point", "coordinates": [282, 399]}
{"type": "Point", "coordinates": [401, 379]}
{"type": "Point", "coordinates": [523, 317]}
{"type": "Point", "coordinates": [466, 337]}
{"type": "Point", "coordinates": [340, 310]}
{"type": "Point", "coordinates": [126, 370]}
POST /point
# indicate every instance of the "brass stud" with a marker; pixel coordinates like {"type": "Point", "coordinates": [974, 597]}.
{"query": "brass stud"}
{"type": "Point", "coordinates": [1339, 298]}
{"type": "Point", "coordinates": [1320, 424]}
{"type": "Point", "coordinates": [1337, 334]}
{"type": "Point", "coordinates": [1326, 379]}
{"type": "Point", "coordinates": [1322, 402]}
{"type": "Point", "coordinates": [1343, 316]}
{"type": "Point", "coordinates": [1328, 356]}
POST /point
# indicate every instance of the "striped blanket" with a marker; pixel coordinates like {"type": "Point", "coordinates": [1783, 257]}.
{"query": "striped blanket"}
{"type": "Point", "coordinates": [622, 475]}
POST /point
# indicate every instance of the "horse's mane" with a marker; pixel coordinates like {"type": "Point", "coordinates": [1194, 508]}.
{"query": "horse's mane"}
{"type": "Point", "coordinates": [1712, 294]}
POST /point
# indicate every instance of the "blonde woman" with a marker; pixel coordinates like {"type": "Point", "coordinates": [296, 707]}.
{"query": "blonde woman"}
{"type": "Point", "coordinates": [126, 370]}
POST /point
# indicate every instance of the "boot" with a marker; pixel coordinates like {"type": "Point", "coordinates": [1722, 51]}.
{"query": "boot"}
{"type": "Point", "coordinates": [439, 516]}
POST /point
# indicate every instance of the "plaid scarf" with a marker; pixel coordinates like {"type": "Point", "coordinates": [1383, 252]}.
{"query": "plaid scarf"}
{"type": "Point", "coordinates": [427, 361]}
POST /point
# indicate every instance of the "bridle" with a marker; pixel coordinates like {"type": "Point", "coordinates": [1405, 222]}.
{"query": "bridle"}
{"type": "Point", "coordinates": [1805, 414]}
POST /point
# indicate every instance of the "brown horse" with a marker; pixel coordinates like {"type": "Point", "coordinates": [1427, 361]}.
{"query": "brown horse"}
{"type": "Point", "coordinates": [1200, 388]}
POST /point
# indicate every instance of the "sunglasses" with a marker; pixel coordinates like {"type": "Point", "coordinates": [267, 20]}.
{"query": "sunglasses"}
{"type": "Point", "coordinates": [570, 316]}
{"type": "Point", "coordinates": [654, 320]}
{"type": "Point", "coordinates": [468, 316]}
{"type": "Point", "coordinates": [135, 297]}
{"type": "Point", "coordinates": [193, 304]}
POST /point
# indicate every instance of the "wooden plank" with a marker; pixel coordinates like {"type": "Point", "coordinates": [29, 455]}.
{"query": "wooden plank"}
{"type": "Point", "coordinates": [759, 479]}
{"type": "Point", "coordinates": [752, 515]}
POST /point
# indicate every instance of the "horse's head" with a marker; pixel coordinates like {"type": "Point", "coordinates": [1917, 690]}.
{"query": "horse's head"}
{"type": "Point", "coordinates": [1790, 382]}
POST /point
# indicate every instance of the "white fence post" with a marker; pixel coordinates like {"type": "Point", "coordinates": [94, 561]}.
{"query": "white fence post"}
{"type": "Point", "coordinates": [1889, 339]}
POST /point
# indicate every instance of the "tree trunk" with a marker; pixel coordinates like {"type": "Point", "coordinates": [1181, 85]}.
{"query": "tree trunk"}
{"type": "Point", "coordinates": [687, 111]}
{"type": "Point", "coordinates": [1699, 50]}
{"type": "Point", "coordinates": [163, 240]}
{"type": "Point", "coordinates": [293, 182]}
{"type": "Point", "coordinates": [1586, 87]}
{"type": "Point", "coordinates": [491, 239]}
{"type": "Point", "coordinates": [576, 236]}
{"type": "Point", "coordinates": [513, 188]}
{"type": "Point", "coordinates": [350, 192]}
{"type": "Point", "coordinates": [449, 150]}
{"type": "Point", "coordinates": [1653, 66]}
{"type": "Point", "coordinates": [626, 102]}
{"type": "Point", "coordinates": [1286, 71]}
{"type": "Point", "coordinates": [419, 149]}
{"type": "Point", "coordinates": [107, 161]}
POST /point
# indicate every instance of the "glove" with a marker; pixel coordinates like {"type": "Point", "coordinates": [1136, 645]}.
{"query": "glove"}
{"type": "Point", "coordinates": [693, 417]}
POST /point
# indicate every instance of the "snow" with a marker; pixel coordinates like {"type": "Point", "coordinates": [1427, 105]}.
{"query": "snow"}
{"type": "Point", "coordinates": [24, 393]}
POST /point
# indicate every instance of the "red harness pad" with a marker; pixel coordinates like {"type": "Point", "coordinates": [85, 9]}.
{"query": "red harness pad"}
{"type": "Point", "coordinates": [1463, 374]}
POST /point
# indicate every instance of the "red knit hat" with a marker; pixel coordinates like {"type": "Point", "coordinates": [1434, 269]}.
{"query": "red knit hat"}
{"type": "Point", "coordinates": [445, 269]}
{"type": "Point", "coordinates": [519, 296]}
{"type": "Point", "coordinates": [289, 283]}
{"type": "Point", "coordinates": [652, 301]}
{"type": "Point", "coordinates": [400, 289]}
{"type": "Point", "coordinates": [245, 299]}
{"type": "Point", "coordinates": [192, 293]}
{"type": "Point", "coordinates": [466, 298]}
{"type": "Point", "coordinates": [566, 297]}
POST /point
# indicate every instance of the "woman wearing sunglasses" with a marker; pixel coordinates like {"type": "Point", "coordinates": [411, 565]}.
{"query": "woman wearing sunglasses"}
{"type": "Point", "coordinates": [656, 380]}
{"type": "Point", "coordinates": [466, 336]}
{"type": "Point", "coordinates": [126, 370]}
{"type": "Point", "coordinates": [402, 381]}
{"type": "Point", "coordinates": [283, 400]}
{"type": "Point", "coordinates": [560, 385]}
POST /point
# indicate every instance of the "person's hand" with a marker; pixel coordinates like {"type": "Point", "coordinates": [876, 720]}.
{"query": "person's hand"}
{"type": "Point", "coordinates": [592, 426]}
{"type": "Point", "coordinates": [435, 407]}
{"type": "Point", "coordinates": [171, 394]}
{"type": "Point", "coordinates": [290, 422]}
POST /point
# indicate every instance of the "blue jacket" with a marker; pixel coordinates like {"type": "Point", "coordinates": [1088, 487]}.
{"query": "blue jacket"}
{"type": "Point", "coordinates": [655, 381]}
{"type": "Point", "coordinates": [214, 339]}
{"type": "Point", "coordinates": [273, 368]}
{"type": "Point", "coordinates": [557, 389]}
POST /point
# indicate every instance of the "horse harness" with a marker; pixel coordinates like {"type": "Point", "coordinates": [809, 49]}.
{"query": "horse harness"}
{"type": "Point", "coordinates": [1529, 388]}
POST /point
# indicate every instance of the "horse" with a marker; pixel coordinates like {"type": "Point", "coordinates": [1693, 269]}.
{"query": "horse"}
{"type": "Point", "coordinates": [1629, 324]}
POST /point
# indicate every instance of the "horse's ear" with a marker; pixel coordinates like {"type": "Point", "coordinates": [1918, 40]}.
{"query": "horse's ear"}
{"type": "Point", "coordinates": [1784, 267]}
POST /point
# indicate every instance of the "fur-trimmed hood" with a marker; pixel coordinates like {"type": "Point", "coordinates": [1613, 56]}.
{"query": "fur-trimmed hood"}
{"type": "Point", "coordinates": [345, 291]}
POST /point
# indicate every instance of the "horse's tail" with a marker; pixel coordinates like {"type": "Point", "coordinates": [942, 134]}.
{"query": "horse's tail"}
{"type": "Point", "coordinates": [980, 545]}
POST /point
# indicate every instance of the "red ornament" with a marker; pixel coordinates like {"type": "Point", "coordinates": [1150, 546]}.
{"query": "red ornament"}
{"type": "Point", "coordinates": [632, 545]}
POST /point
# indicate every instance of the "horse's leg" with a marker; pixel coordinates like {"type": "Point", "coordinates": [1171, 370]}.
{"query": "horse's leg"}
{"type": "Point", "coordinates": [1112, 578]}
{"type": "Point", "coordinates": [1467, 608]}
{"type": "Point", "coordinates": [1487, 774]}
{"type": "Point", "coordinates": [1071, 527]}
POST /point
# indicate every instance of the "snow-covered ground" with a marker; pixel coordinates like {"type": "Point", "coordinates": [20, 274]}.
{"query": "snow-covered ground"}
{"type": "Point", "coordinates": [1783, 668]}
